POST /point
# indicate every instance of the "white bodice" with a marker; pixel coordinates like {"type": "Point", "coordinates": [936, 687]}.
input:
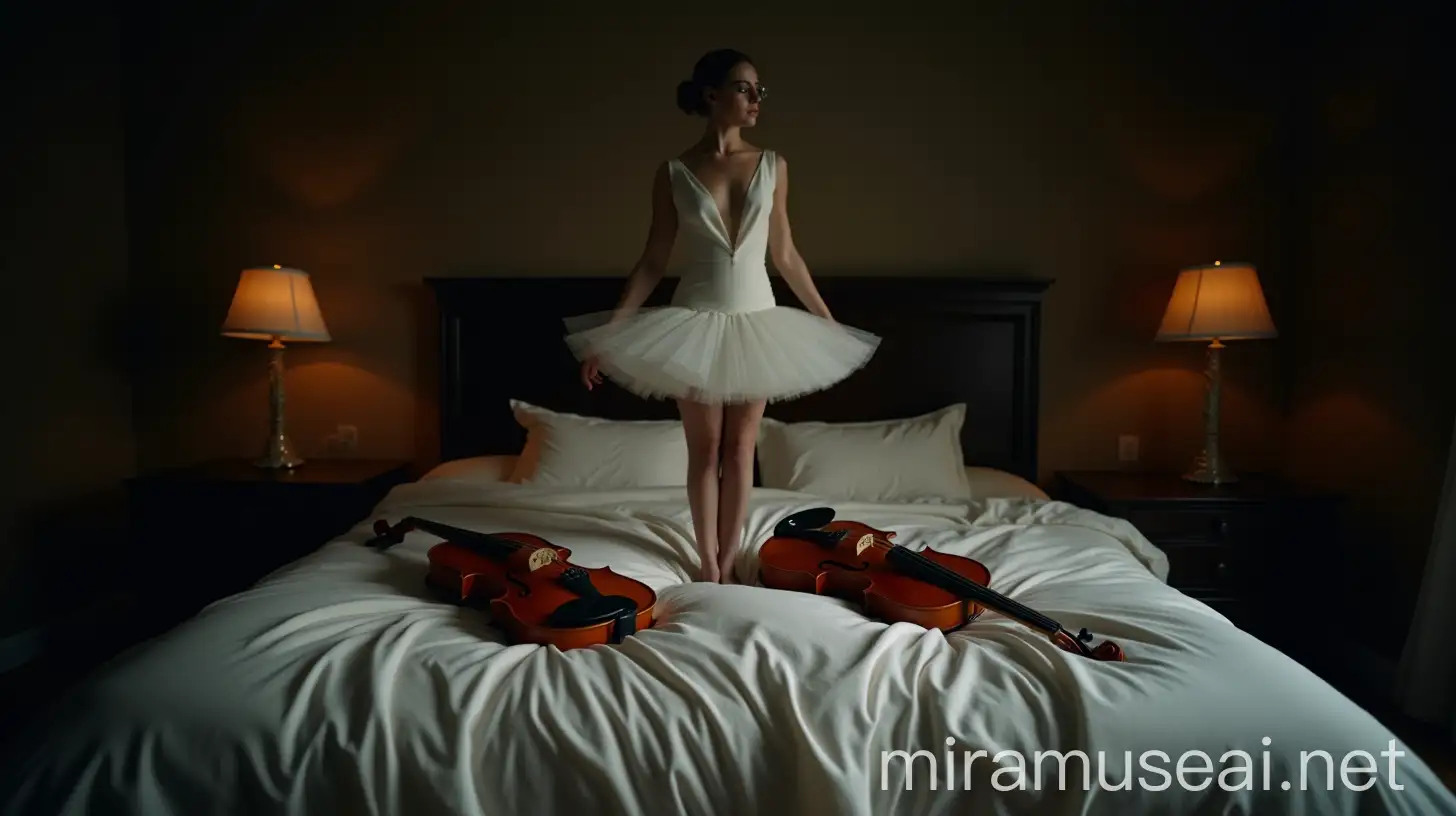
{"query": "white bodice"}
{"type": "Point", "coordinates": [717, 275]}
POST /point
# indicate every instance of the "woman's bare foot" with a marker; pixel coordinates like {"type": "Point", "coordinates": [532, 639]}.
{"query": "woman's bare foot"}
{"type": "Point", "coordinates": [726, 566]}
{"type": "Point", "coordinates": [709, 568]}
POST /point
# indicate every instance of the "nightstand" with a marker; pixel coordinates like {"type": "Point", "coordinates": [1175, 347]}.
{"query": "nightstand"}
{"type": "Point", "coordinates": [1236, 547]}
{"type": "Point", "coordinates": [210, 530]}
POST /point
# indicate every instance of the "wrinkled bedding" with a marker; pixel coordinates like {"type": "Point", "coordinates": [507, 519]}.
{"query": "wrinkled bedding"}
{"type": "Point", "coordinates": [339, 685]}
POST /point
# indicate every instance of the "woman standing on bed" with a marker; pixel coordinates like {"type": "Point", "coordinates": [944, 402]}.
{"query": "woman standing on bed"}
{"type": "Point", "coordinates": [723, 348]}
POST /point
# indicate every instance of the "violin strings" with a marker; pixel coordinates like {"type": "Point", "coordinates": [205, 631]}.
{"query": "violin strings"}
{"type": "Point", "coordinates": [447, 532]}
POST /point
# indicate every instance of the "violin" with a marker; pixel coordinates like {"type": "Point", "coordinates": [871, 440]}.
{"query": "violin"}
{"type": "Point", "coordinates": [533, 591]}
{"type": "Point", "coordinates": [811, 552]}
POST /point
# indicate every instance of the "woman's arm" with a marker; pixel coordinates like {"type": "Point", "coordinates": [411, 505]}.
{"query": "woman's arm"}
{"type": "Point", "coordinates": [786, 258]}
{"type": "Point", "coordinates": [652, 265]}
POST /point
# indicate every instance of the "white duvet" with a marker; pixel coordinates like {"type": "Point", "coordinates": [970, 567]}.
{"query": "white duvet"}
{"type": "Point", "coordinates": [339, 686]}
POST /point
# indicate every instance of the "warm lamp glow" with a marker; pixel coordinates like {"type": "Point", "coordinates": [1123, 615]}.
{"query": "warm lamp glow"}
{"type": "Point", "coordinates": [1217, 302]}
{"type": "Point", "coordinates": [275, 303]}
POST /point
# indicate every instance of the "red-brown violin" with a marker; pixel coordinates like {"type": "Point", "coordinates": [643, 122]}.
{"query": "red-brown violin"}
{"type": "Point", "coordinates": [811, 552]}
{"type": "Point", "coordinates": [533, 591]}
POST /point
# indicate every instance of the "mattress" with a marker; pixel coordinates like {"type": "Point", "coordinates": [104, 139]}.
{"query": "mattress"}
{"type": "Point", "coordinates": [340, 685]}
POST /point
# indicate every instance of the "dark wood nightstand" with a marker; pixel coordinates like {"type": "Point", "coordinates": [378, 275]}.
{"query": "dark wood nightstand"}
{"type": "Point", "coordinates": [1236, 547]}
{"type": "Point", "coordinates": [197, 534]}
{"type": "Point", "coordinates": [207, 531]}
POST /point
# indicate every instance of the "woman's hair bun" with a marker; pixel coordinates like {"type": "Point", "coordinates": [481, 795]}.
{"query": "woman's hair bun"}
{"type": "Point", "coordinates": [689, 98]}
{"type": "Point", "coordinates": [711, 71]}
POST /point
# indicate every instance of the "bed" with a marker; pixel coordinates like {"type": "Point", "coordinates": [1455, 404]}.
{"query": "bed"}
{"type": "Point", "coordinates": [340, 685]}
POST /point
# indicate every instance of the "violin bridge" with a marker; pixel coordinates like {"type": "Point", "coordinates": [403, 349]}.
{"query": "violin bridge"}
{"type": "Point", "coordinates": [540, 558]}
{"type": "Point", "coordinates": [864, 543]}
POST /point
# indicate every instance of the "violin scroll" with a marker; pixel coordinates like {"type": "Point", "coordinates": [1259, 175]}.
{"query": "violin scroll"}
{"type": "Point", "coordinates": [386, 536]}
{"type": "Point", "coordinates": [1104, 651]}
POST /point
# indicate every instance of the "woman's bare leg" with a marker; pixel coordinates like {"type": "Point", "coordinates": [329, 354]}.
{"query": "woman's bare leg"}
{"type": "Point", "coordinates": [740, 434]}
{"type": "Point", "coordinates": [703, 425]}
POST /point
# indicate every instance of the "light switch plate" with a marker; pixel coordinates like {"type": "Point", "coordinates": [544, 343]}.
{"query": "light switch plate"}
{"type": "Point", "coordinates": [1127, 448]}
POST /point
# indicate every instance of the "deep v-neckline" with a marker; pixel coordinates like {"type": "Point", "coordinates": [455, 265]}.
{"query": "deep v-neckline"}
{"type": "Point", "coordinates": [747, 194]}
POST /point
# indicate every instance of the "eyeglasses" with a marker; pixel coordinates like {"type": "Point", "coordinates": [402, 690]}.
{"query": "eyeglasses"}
{"type": "Point", "coordinates": [743, 87]}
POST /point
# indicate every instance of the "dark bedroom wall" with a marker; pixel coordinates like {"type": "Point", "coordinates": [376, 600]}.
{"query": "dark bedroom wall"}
{"type": "Point", "coordinates": [63, 259]}
{"type": "Point", "coordinates": [1372, 398]}
{"type": "Point", "coordinates": [373, 144]}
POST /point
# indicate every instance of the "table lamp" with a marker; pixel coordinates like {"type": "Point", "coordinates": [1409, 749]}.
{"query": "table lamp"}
{"type": "Point", "coordinates": [276, 305]}
{"type": "Point", "coordinates": [1215, 302]}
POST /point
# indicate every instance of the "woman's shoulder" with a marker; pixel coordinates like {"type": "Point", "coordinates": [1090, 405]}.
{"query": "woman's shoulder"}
{"type": "Point", "coordinates": [694, 154]}
{"type": "Point", "coordinates": [774, 161]}
{"type": "Point", "coordinates": [770, 154]}
{"type": "Point", "coordinates": [693, 162]}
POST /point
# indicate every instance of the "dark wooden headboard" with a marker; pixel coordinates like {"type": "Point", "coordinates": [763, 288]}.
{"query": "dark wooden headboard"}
{"type": "Point", "coordinates": [945, 340]}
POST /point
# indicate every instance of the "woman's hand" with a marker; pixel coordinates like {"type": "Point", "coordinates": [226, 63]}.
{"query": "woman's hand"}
{"type": "Point", "coordinates": [590, 373]}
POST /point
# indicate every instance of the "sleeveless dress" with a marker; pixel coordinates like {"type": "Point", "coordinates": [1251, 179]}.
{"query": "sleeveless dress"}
{"type": "Point", "coordinates": [723, 339]}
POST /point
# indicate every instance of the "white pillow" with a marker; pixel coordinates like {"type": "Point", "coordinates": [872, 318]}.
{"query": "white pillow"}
{"type": "Point", "coordinates": [990, 483]}
{"type": "Point", "coordinates": [474, 469]}
{"type": "Point", "coordinates": [568, 450]}
{"type": "Point", "coordinates": [917, 459]}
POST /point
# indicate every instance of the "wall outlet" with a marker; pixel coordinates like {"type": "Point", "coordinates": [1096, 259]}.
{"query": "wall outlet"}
{"type": "Point", "coordinates": [1127, 448]}
{"type": "Point", "coordinates": [344, 439]}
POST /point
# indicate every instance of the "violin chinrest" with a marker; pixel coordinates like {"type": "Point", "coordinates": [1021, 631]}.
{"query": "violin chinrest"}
{"type": "Point", "coordinates": [592, 610]}
{"type": "Point", "coordinates": [812, 519]}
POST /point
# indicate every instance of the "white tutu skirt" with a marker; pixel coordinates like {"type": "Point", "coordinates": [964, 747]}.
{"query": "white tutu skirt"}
{"type": "Point", "coordinates": [771, 354]}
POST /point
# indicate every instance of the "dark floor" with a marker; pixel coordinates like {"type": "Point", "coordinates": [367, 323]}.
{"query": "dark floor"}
{"type": "Point", "coordinates": [1432, 744]}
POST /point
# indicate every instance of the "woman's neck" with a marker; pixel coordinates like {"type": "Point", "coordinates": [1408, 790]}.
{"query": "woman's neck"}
{"type": "Point", "coordinates": [721, 141]}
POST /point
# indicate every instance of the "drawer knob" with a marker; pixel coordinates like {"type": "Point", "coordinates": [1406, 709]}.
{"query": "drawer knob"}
{"type": "Point", "coordinates": [1220, 527]}
{"type": "Point", "coordinates": [1223, 569]}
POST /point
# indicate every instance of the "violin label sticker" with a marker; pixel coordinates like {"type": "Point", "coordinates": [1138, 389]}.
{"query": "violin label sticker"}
{"type": "Point", "coordinates": [541, 558]}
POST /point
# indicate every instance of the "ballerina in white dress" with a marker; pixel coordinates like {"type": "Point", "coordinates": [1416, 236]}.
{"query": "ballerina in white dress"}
{"type": "Point", "coordinates": [724, 348]}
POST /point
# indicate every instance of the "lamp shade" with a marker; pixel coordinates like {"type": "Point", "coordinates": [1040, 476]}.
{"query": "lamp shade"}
{"type": "Point", "coordinates": [1218, 301]}
{"type": "Point", "coordinates": [275, 302]}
